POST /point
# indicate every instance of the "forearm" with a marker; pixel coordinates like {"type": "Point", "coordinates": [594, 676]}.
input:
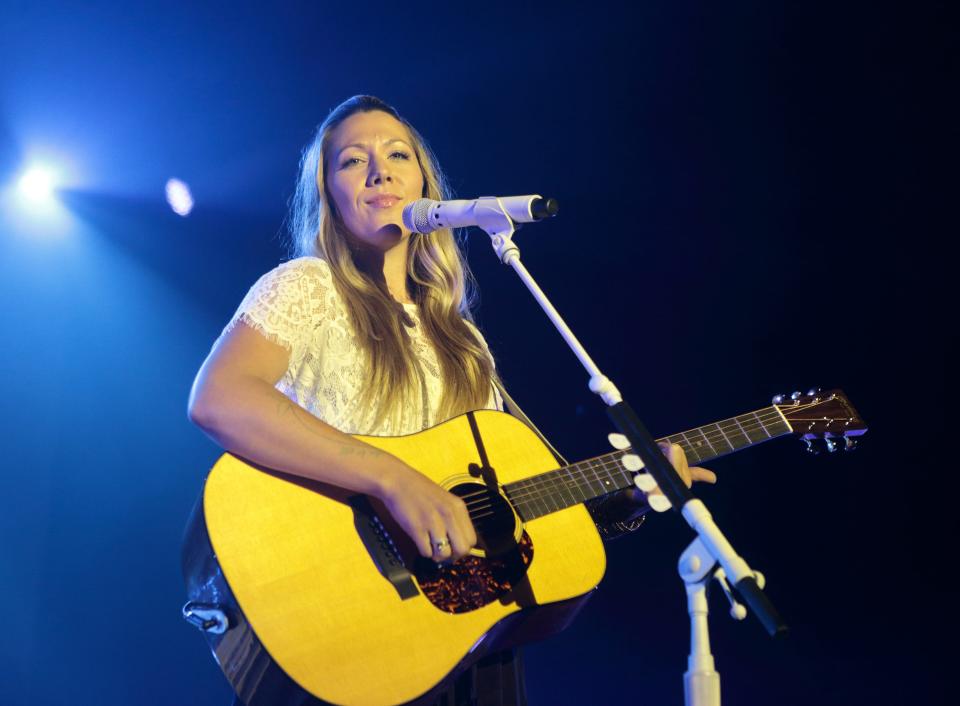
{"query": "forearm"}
{"type": "Point", "coordinates": [252, 419]}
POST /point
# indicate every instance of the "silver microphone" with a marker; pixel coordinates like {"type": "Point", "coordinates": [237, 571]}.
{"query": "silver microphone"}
{"type": "Point", "coordinates": [427, 215]}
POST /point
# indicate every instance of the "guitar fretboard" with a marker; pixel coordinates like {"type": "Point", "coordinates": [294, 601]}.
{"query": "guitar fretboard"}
{"type": "Point", "coordinates": [555, 490]}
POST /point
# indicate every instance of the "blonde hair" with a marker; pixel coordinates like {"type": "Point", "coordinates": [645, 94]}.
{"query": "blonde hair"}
{"type": "Point", "coordinates": [438, 276]}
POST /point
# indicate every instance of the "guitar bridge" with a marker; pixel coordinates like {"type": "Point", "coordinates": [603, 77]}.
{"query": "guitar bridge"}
{"type": "Point", "coordinates": [381, 547]}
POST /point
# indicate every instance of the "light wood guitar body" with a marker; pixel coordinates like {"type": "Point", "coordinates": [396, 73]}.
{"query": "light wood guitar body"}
{"type": "Point", "coordinates": [329, 602]}
{"type": "Point", "coordinates": [313, 595]}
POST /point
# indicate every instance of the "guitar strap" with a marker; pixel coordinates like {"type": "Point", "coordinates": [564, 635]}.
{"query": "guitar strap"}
{"type": "Point", "coordinates": [515, 410]}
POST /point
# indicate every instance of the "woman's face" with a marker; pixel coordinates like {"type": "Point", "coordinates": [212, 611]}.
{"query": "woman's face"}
{"type": "Point", "coordinates": [372, 173]}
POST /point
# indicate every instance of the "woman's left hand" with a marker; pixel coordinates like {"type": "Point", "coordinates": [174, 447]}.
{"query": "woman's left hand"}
{"type": "Point", "coordinates": [689, 474]}
{"type": "Point", "coordinates": [648, 493]}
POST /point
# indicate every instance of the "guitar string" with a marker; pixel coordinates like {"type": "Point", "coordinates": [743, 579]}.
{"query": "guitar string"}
{"type": "Point", "coordinates": [554, 482]}
{"type": "Point", "coordinates": [553, 494]}
{"type": "Point", "coordinates": [560, 480]}
{"type": "Point", "coordinates": [547, 480]}
{"type": "Point", "coordinates": [562, 486]}
{"type": "Point", "coordinates": [714, 439]}
{"type": "Point", "coordinates": [569, 484]}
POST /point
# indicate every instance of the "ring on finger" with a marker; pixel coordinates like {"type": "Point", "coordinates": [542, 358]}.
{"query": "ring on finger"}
{"type": "Point", "coordinates": [440, 544]}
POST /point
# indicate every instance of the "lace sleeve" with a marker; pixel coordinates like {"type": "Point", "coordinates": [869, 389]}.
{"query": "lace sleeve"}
{"type": "Point", "coordinates": [285, 304]}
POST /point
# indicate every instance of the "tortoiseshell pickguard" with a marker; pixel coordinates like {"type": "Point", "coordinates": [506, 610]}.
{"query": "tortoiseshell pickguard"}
{"type": "Point", "coordinates": [473, 582]}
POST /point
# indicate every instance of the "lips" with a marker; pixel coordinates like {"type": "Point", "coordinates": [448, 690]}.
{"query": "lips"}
{"type": "Point", "coordinates": [384, 201]}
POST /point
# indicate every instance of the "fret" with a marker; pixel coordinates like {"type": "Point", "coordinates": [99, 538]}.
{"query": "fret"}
{"type": "Point", "coordinates": [713, 451]}
{"type": "Point", "coordinates": [566, 484]}
{"type": "Point", "coordinates": [540, 502]}
{"type": "Point", "coordinates": [579, 483]}
{"type": "Point", "coordinates": [613, 473]}
{"type": "Point", "coordinates": [696, 447]}
{"type": "Point", "coordinates": [519, 495]}
{"type": "Point", "coordinates": [578, 487]}
{"type": "Point", "coordinates": [574, 482]}
{"type": "Point", "coordinates": [692, 453]}
{"type": "Point", "coordinates": [594, 480]}
{"type": "Point", "coordinates": [607, 480]}
{"type": "Point", "coordinates": [779, 425]}
{"type": "Point", "coordinates": [583, 477]}
{"type": "Point", "coordinates": [754, 433]}
{"type": "Point", "coordinates": [550, 494]}
{"type": "Point", "coordinates": [578, 480]}
{"type": "Point", "coordinates": [760, 421]}
{"type": "Point", "coordinates": [535, 500]}
{"type": "Point", "coordinates": [678, 439]}
{"type": "Point", "coordinates": [562, 478]}
{"type": "Point", "coordinates": [540, 495]}
{"type": "Point", "coordinates": [720, 429]}
{"type": "Point", "coordinates": [746, 439]}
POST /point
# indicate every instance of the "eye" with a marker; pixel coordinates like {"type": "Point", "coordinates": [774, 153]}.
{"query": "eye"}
{"type": "Point", "coordinates": [400, 154]}
{"type": "Point", "coordinates": [349, 162]}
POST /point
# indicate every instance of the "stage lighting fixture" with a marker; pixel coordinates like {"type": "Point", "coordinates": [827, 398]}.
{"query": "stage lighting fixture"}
{"type": "Point", "coordinates": [179, 198]}
{"type": "Point", "coordinates": [37, 184]}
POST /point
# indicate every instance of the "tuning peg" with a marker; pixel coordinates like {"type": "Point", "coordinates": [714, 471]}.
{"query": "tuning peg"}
{"type": "Point", "coordinates": [813, 391]}
{"type": "Point", "coordinates": [811, 447]}
{"type": "Point", "coordinates": [832, 445]}
{"type": "Point", "coordinates": [795, 396]}
{"type": "Point", "coordinates": [777, 399]}
{"type": "Point", "coordinates": [850, 444]}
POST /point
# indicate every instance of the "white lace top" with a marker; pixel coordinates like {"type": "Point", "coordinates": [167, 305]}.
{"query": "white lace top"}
{"type": "Point", "coordinates": [296, 305]}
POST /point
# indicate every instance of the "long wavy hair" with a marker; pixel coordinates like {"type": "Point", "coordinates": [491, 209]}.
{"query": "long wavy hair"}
{"type": "Point", "coordinates": [438, 277]}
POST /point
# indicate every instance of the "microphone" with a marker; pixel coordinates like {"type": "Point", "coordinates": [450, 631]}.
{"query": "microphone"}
{"type": "Point", "coordinates": [427, 215]}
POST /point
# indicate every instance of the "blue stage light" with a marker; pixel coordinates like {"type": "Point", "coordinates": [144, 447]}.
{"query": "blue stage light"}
{"type": "Point", "coordinates": [37, 185]}
{"type": "Point", "coordinates": [179, 197]}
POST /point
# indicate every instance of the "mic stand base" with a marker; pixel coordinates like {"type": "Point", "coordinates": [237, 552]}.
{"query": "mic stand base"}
{"type": "Point", "coordinates": [701, 682]}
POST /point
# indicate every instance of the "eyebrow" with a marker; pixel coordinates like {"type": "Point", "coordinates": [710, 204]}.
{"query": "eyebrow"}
{"type": "Point", "coordinates": [363, 146]}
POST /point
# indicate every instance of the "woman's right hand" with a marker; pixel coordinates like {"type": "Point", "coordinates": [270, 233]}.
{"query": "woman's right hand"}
{"type": "Point", "coordinates": [429, 515]}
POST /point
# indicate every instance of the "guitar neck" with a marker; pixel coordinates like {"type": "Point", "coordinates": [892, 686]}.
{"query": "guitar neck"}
{"type": "Point", "coordinates": [559, 489]}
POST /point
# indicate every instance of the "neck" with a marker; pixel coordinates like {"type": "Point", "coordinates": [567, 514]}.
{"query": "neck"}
{"type": "Point", "coordinates": [395, 270]}
{"type": "Point", "coordinates": [388, 267]}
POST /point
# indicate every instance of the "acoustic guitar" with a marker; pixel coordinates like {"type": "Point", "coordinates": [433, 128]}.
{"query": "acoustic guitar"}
{"type": "Point", "coordinates": [328, 601]}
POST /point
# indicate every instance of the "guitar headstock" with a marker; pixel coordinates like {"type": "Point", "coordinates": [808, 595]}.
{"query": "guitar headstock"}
{"type": "Point", "coordinates": [822, 415]}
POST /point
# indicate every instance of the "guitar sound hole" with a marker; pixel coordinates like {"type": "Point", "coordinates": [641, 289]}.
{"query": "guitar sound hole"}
{"type": "Point", "coordinates": [492, 517]}
{"type": "Point", "coordinates": [472, 582]}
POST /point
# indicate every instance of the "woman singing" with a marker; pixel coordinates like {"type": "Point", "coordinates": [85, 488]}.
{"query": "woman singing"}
{"type": "Point", "coordinates": [368, 331]}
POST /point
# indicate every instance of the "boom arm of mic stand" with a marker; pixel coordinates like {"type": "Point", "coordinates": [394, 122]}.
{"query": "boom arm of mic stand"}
{"type": "Point", "coordinates": [500, 228]}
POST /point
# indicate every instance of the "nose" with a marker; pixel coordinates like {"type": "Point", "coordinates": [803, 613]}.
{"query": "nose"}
{"type": "Point", "coordinates": [379, 172]}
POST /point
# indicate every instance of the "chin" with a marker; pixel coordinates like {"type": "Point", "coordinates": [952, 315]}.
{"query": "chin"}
{"type": "Point", "coordinates": [383, 237]}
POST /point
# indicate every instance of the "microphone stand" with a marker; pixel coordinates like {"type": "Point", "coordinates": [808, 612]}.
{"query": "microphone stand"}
{"type": "Point", "coordinates": [699, 562]}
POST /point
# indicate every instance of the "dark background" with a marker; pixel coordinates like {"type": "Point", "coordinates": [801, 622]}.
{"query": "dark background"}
{"type": "Point", "coordinates": [751, 199]}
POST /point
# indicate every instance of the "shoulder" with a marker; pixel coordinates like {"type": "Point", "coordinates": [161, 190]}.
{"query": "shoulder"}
{"type": "Point", "coordinates": [302, 278]}
{"type": "Point", "coordinates": [293, 291]}
{"type": "Point", "coordinates": [300, 268]}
